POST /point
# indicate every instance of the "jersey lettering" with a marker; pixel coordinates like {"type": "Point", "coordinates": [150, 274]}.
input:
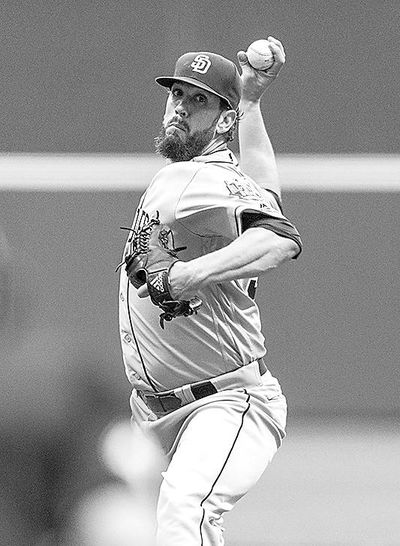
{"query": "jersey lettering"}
{"type": "Point", "coordinates": [242, 189]}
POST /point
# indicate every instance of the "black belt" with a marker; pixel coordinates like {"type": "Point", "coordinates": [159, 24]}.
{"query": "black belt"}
{"type": "Point", "coordinates": [168, 401]}
{"type": "Point", "coordinates": [165, 402]}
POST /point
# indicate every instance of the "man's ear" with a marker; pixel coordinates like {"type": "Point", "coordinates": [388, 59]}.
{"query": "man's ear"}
{"type": "Point", "coordinates": [226, 121]}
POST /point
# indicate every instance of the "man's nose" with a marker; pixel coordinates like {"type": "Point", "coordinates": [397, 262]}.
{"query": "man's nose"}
{"type": "Point", "coordinates": [181, 109]}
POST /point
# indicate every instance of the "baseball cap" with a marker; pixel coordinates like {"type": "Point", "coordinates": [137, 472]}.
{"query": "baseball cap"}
{"type": "Point", "coordinates": [208, 71]}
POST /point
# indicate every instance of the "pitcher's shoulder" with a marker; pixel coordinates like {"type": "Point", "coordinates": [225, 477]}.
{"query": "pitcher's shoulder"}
{"type": "Point", "coordinates": [180, 170]}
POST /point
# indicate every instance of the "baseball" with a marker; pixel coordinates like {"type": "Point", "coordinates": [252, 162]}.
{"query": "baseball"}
{"type": "Point", "coordinates": [260, 55]}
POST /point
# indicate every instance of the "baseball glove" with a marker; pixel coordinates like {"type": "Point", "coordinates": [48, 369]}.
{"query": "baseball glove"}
{"type": "Point", "coordinates": [149, 261]}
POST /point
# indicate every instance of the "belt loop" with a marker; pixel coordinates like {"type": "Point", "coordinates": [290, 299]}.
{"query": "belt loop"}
{"type": "Point", "coordinates": [185, 394]}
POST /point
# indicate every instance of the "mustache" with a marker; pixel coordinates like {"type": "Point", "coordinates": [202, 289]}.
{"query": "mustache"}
{"type": "Point", "coordinates": [178, 121]}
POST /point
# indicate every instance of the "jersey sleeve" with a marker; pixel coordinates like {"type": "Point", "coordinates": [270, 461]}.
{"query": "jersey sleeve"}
{"type": "Point", "coordinates": [224, 203]}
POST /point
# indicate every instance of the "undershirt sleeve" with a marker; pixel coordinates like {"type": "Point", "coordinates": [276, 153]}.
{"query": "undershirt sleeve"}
{"type": "Point", "coordinates": [280, 226]}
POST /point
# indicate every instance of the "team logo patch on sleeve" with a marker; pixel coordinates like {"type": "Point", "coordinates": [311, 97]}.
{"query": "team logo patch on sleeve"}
{"type": "Point", "coordinates": [201, 64]}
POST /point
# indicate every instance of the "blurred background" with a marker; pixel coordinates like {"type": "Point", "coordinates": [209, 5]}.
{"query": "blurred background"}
{"type": "Point", "coordinates": [79, 113]}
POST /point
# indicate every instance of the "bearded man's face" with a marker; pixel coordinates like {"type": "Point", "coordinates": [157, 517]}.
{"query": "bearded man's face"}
{"type": "Point", "coordinates": [189, 122]}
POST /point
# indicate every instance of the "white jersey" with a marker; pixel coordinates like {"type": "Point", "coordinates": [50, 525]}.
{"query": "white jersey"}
{"type": "Point", "coordinates": [203, 202]}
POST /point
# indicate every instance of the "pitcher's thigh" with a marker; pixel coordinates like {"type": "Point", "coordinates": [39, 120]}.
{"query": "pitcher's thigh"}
{"type": "Point", "coordinates": [222, 453]}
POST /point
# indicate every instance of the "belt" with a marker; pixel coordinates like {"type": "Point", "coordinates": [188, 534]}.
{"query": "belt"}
{"type": "Point", "coordinates": [167, 401]}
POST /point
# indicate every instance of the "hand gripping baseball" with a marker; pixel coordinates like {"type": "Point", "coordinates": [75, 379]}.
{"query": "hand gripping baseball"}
{"type": "Point", "coordinates": [148, 263]}
{"type": "Point", "coordinates": [255, 82]}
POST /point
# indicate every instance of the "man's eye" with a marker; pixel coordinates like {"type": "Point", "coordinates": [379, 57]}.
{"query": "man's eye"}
{"type": "Point", "coordinates": [176, 93]}
{"type": "Point", "coordinates": [201, 99]}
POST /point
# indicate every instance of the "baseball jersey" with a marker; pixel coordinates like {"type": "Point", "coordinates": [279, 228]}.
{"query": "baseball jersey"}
{"type": "Point", "coordinates": [206, 203]}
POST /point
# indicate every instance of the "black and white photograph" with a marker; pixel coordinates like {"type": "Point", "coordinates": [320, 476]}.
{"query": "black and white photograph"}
{"type": "Point", "coordinates": [199, 273]}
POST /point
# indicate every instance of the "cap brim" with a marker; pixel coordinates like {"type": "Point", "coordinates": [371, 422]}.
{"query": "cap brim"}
{"type": "Point", "coordinates": [167, 81]}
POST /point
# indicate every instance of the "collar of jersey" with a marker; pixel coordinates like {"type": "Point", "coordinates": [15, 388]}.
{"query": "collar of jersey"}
{"type": "Point", "coordinates": [219, 156]}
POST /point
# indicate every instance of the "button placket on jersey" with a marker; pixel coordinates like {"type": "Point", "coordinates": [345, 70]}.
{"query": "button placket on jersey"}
{"type": "Point", "coordinates": [128, 339]}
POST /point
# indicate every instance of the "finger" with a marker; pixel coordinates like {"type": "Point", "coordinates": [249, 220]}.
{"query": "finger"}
{"type": "Point", "coordinates": [247, 69]}
{"type": "Point", "coordinates": [276, 46]}
{"type": "Point", "coordinates": [275, 41]}
{"type": "Point", "coordinates": [242, 58]}
{"type": "Point", "coordinates": [143, 291]}
{"type": "Point", "coordinates": [279, 54]}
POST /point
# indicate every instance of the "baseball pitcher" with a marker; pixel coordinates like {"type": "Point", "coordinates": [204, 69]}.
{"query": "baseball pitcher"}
{"type": "Point", "coordinates": [205, 229]}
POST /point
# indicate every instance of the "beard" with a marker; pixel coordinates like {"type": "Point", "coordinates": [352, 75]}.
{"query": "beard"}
{"type": "Point", "coordinates": [173, 148]}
